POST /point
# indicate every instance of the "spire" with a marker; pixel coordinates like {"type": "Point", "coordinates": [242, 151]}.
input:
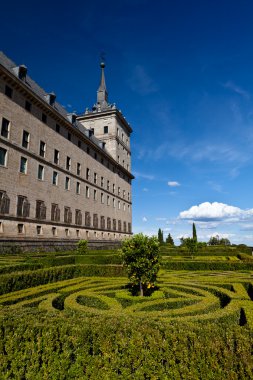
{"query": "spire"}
{"type": "Point", "coordinates": [102, 95]}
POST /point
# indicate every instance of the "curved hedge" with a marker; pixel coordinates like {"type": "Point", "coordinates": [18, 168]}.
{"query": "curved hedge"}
{"type": "Point", "coordinates": [16, 281]}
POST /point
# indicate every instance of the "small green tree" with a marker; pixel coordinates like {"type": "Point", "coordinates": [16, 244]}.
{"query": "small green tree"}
{"type": "Point", "coordinates": [191, 245]}
{"type": "Point", "coordinates": [225, 241]}
{"type": "Point", "coordinates": [140, 256]}
{"type": "Point", "coordinates": [82, 247]}
{"type": "Point", "coordinates": [194, 232]}
{"type": "Point", "coordinates": [214, 240]}
{"type": "Point", "coordinates": [170, 240]}
{"type": "Point", "coordinates": [160, 236]}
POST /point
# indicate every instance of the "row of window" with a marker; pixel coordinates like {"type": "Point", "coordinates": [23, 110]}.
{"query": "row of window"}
{"type": "Point", "coordinates": [23, 210]}
{"type": "Point", "coordinates": [56, 158]}
{"type": "Point", "coordinates": [5, 130]}
{"type": "Point", "coordinates": [55, 178]}
{"type": "Point", "coordinates": [39, 230]}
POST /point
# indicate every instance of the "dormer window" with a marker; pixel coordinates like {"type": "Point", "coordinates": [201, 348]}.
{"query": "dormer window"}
{"type": "Point", "coordinates": [50, 98]}
{"type": "Point", "coordinates": [22, 72]}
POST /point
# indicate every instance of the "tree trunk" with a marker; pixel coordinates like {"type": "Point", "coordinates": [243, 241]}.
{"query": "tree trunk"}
{"type": "Point", "coordinates": [141, 289]}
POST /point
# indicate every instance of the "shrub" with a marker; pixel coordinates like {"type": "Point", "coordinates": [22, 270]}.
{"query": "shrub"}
{"type": "Point", "coordinates": [82, 247]}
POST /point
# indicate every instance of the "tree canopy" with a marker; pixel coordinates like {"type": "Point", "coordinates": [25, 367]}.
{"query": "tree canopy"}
{"type": "Point", "coordinates": [170, 241]}
{"type": "Point", "coordinates": [140, 256]}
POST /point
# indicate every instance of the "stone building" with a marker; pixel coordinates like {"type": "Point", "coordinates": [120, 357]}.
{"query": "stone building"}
{"type": "Point", "coordinates": [62, 176]}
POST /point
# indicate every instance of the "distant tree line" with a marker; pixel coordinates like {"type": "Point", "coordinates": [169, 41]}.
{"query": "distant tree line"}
{"type": "Point", "coordinates": [192, 242]}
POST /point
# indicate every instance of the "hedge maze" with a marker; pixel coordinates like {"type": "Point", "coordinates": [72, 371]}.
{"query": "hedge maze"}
{"type": "Point", "coordinates": [181, 296]}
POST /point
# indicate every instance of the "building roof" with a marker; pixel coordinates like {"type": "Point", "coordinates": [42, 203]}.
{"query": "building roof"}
{"type": "Point", "coordinates": [9, 65]}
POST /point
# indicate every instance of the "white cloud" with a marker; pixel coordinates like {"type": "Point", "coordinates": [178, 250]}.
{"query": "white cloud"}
{"type": "Point", "coordinates": [216, 212]}
{"type": "Point", "coordinates": [145, 189]}
{"type": "Point", "coordinates": [144, 219]}
{"type": "Point", "coordinates": [173, 184]}
{"type": "Point", "coordinates": [238, 90]}
{"type": "Point", "coordinates": [144, 176]}
{"type": "Point", "coordinates": [141, 82]}
{"type": "Point", "coordinates": [221, 235]}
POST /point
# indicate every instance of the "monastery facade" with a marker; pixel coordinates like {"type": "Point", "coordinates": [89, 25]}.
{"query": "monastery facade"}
{"type": "Point", "coordinates": [62, 176]}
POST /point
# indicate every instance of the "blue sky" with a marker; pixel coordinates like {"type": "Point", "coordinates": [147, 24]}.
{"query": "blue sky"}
{"type": "Point", "coordinates": [182, 73]}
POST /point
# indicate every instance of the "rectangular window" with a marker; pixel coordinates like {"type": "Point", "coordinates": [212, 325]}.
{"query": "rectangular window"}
{"type": "Point", "coordinates": [108, 200]}
{"type": "Point", "coordinates": [4, 203]}
{"type": "Point", "coordinates": [119, 205]}
{"type": "Point", "coordinates": [113, 202]}
{"type": "Point", "coordinates": [67, 215]}
{"type": "Point", "coordinates": [102, 197]}
{"type": "Point", "coordinates": [56, 156]}
{"type": "Point", "coordinates": [44, 118]}
{"type": "Point", "coordinates": [108, 223]}
{"type": "Point", "coordinates": [69, 136]}
{"type": "Point", "coordinates": [87, 173]}
{"type": "Point", "coordinates": [78, 217]}
{"type": "Point", "coordinates": [68, 163]}
{"type": "Point", "coordinates": [78, 168]}
{"type": "Point", "coordinates": [54, 231]}
{"type": "Point", "coordinates": [23, 207]}
{"type": "Point", "coordinates": [28, 106]}
{"type": "Point", "coordinates": [118, 191]}
{"type": "Point", "coordinates": [79, 144]}
{"type": "Point", "coordinates": [5, 129]}
{"type": "Point", "coordinates": [42, 149]}
{"type": "Point", "coordinates": [25, 139]}
{"type": "Point", "coordinates": [77, 233]}
{"type": "Point", "coordinates": [124, 206]}
{"type": "Point", "coordinates": [3, 156]}
{"type": "Point", "coordinates": [124, 193]}
{"type": "Point", "coordinates": [113, 188]}
{"type": "Point", "coordinates": [67, 183]}
{"type": "Point", "coordinates": [55, 213]}
{"type": "Point", "coordinates": [23, 165]}
{"type": "Point", "coordinates": [87, 192]}
{"type": "Point", "coordinates": [87, 219]}
{"type": "Point", "coordinates": [102, 222]}
{"type": "Point", "coordinates": [108, 185]}
{"type": "Point", "coordinates": [55, 178]}
{"type": "Point", "coordinates": [95, 178]}
{"type": "Point", "coordinates": [102, 181]}
{"type": "Point", "coordinates": [57, 128]}
{"type": "Point", "coordinates": [95, 195]}
{"type": "Point", "coordinates": [8, 91]}
{"type": "Point", "coordinates": [41, 172]}
{"type": "Point", "coordinates": [21, 229]}
{"type": "Point", "coordinates": [105, 129]}
{"type": "Point", "coordinates": [66, 231]}
{"type": "Point", "coordinates": [40, 210]}
{"type": "Point", "coordinates": [95, 220]}
{"type": "Point", "coordinates": [78, 186]}
{"type": "Point", "coordinates": [128, 196]}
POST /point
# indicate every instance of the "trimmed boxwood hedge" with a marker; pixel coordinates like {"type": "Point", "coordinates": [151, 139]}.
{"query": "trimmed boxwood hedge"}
{"type": "Point", "coordinates": [113, 348]}
{"type": "Point", "coordinates": [200, 265]}
{"type": "Point", "coordinates": [22, 280]}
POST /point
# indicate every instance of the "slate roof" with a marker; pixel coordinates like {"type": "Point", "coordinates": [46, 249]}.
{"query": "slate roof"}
{"type": "Point", "coordinates": [33, 86]}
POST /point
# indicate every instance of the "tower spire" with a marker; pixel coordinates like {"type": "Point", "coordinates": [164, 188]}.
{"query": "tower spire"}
{"type": "Point", "coordinates": [102, 94]}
